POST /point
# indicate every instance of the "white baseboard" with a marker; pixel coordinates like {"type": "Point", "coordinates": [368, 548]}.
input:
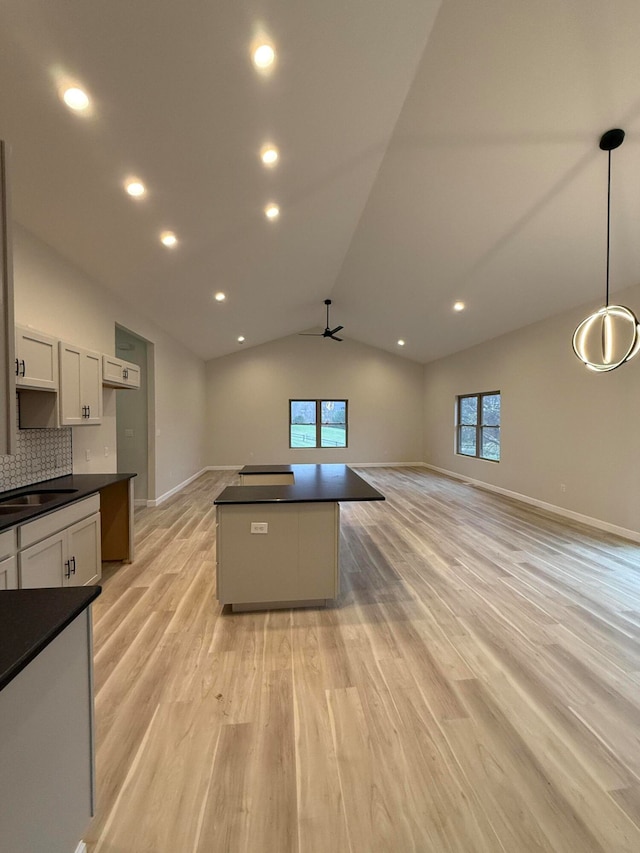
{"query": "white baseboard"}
{"type": "Point", "coordinates": [597, 523]}
{"type": "Point", "coordinates": [81, 848]}
{"type": "Point", "coordinates": [176, 489]}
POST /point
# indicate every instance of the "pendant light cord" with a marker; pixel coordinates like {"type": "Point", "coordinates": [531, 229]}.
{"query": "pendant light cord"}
{"type": "Point", "coordinates": [608, 223]}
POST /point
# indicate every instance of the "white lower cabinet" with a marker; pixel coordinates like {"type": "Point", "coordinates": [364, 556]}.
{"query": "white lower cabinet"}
{"type": "Point", "coordinates": [8, 563]}
{"type": "Point", "coordinates": [8, 573]}
{"type": "Point", "coordinates": [67, 552]}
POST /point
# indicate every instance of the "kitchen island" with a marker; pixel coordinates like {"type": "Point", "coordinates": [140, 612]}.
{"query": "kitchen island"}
{"type": "Point", "coordinates": [46, 718]}
{"type": "Point", "coordinates": [277, 544]}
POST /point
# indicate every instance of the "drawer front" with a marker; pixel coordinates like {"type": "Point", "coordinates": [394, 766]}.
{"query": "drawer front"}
{"type": "Point", "coordinates": [7, 543]}
{"type": "Point", "coordinates": [46, 525]}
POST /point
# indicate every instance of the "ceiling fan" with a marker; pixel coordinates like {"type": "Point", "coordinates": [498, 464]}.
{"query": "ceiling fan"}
{"type": "Point", "coordinates": [328, 332]}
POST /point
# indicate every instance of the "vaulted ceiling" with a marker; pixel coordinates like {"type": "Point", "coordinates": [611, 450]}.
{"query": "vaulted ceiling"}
{"type": "Point", "coordinates": [429, 152]}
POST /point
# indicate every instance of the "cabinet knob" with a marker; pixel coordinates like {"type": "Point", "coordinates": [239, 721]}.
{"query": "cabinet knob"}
{"type": "Point", "coordinates": [17, 367]}
{"type": "Point", "coordinates": [125, 373]}
{"type": "Point", "coordinates": [67, 565]}
{"type": "Point", "coordinates": [24, 368]}
{"type": "Point", "coordinates": [73, 561]}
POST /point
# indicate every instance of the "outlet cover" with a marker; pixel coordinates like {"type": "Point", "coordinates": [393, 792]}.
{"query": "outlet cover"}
{"type": "Point", "coordinates": [259, 527]}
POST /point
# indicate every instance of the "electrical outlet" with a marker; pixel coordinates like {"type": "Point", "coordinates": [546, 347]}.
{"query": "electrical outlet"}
{"type": "Point", "coordinates": [563, 487]}
{"type": "Point", "coordinates": [87, 455]}
{"type": "Point", "coordinates": [259, 527]}
{"type": "Point", "coordinates": [128, 433]}
{"type": "Point", "coordinates": [106, 450]}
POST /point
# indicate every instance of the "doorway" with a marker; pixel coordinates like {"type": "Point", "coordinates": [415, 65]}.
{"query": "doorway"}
{"type": "Point", "coordinates": [133, 410]}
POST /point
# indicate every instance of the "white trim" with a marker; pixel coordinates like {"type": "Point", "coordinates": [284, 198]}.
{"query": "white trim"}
{"type": "Point", "coordinates": [350, 464]}
{"type": "Point", "coordinates": [176, 489]}
{"type": "Point", "coordinates": [633, 535]}
{"type": "Point", "coordinates": [140, 502]}
{"type": "Point", "coordinates": [81, 848]}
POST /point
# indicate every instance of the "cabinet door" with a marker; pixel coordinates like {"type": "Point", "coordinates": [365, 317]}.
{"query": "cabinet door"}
{"type": "Point", "coordinates": [131, 374]}
{"type": "Point", "coordinates": [36, 360]}
{"type": "Point", "coordinates": [112, 371]}
{"type": "Point", "coordinates": [84, 551]}
{"type": "Point", "coordinates": [91, 386]}
{"type": "Point", "coordinates": [44, 564]}
{"type": "Point", "coordinates": [8, 573]}
{"type": "Point", "coordinates": [80, 386]}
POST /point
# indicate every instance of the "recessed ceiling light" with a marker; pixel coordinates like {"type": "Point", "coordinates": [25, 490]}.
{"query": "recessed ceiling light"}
{"type": "Point", "coordinates": [272, 211]}
{"type": "Point", "coordinates": [264, 56]}
{"type": "Point", "coordinates": [458, 306]}
{"type": "Point", "coordinates": [241, 339]}
{"type": "Point", "coordinates": [400, 343]}
{"type": "Point", "coordinates": [169, 239]}
{"type": "Point", "coordinates": [220, 296]}
{"type": "Point", "coordinates": [269, 155]}
{"type": "Point", "coordinates": [135, 187]}
{"type": "Point", "coordinates": [75, 98]}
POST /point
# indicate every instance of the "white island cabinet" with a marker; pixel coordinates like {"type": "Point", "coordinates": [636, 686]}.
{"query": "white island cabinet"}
{"type": "Point", "coordinates": [47, 776]}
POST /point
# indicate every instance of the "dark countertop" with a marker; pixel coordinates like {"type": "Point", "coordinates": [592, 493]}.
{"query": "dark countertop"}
{"type": "Point", "coordinates": [266, 469]}
{"type": "Point", "coordinates": [313, 483]}
{"type": "Point", "coordinates": [31, 618]}
{"type": "Point", "coordinates": [82, 485]}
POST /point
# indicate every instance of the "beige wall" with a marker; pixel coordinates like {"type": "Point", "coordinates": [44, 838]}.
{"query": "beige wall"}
{"type": "Point", "coordinates": [54, 297]}
{"type": "Point", "coordinates": [248, 402]}
{"type": "Point", "coordinates": [561, 423]}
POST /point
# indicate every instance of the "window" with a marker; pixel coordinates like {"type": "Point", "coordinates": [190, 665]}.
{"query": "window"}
{"type": "Point", "coordinates": [478, 425]}
{"type": "Point", "coordinates": [317, 423]}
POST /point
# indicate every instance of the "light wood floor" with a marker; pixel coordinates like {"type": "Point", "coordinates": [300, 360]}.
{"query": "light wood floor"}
{"type": "Point", "coordinates": [476, 687]}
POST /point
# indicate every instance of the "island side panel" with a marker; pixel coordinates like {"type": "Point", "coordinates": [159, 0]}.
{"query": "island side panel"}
{"type": "Point", "coordinates": [295, 561]}
{"type": "Point", "coordinates": [46, 762]}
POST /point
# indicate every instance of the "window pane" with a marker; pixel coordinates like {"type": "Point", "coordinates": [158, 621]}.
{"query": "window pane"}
{"type": "Point", "coordinates": [490, 443]}
{"type": "Point", "coordinates": [491, 410]}
{"type": "Point", "coordinates": [334, 412]}
{"type": "Point", "coordinates": [303, 411]}
{"type": "Point", "coordinates": [468, 410]}
{"type": "Point", "coordinates": [302, 435]}
{"type": "Point", "coordinates": [467, 444]}
{"type": "Point", "coordinates": [334, 435]}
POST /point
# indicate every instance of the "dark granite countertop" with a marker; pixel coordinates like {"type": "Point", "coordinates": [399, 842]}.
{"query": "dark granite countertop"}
{"type": "Point", "coordinates": [31, 618]}
{"type": "Point", "coordinates": [266, 469]}
{"type": "Point", "coordinates": [313, 483]}
{"type": "Point", "coordinates": [78, 486]}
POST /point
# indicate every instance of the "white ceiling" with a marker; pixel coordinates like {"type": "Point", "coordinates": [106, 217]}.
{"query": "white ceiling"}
{"type": "Point", "coordinates": [429, 152]}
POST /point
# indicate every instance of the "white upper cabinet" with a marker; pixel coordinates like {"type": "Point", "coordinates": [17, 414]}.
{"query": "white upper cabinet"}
{"type": "Point", "coordinates": [117, 373]}
{"type": "Point", "coordinates": [7, 353]}
{"type": "Point", "coordinates": [36, 360]}
{"type": "Point", "coordinates": [80, 386]}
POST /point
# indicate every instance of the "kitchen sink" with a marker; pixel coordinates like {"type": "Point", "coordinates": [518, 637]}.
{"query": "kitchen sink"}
{"type": "Point", "coordinates": [35, 498]}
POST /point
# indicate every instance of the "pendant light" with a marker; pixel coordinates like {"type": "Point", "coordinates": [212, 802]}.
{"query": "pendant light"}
{"type": "Point", "coordinates": [611, 335]}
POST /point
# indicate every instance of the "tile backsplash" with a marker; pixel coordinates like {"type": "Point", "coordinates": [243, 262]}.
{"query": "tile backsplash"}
{"type": "Point", "coordinates": [41, 454]}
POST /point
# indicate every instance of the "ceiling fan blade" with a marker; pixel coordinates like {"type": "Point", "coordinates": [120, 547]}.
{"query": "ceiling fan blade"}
{"type": "Point", "coordinates": [333, 331]}
{"type": "Point", "coordinates": [334, 338]}
{"type": "Point", "coordinates": [312, 334]}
